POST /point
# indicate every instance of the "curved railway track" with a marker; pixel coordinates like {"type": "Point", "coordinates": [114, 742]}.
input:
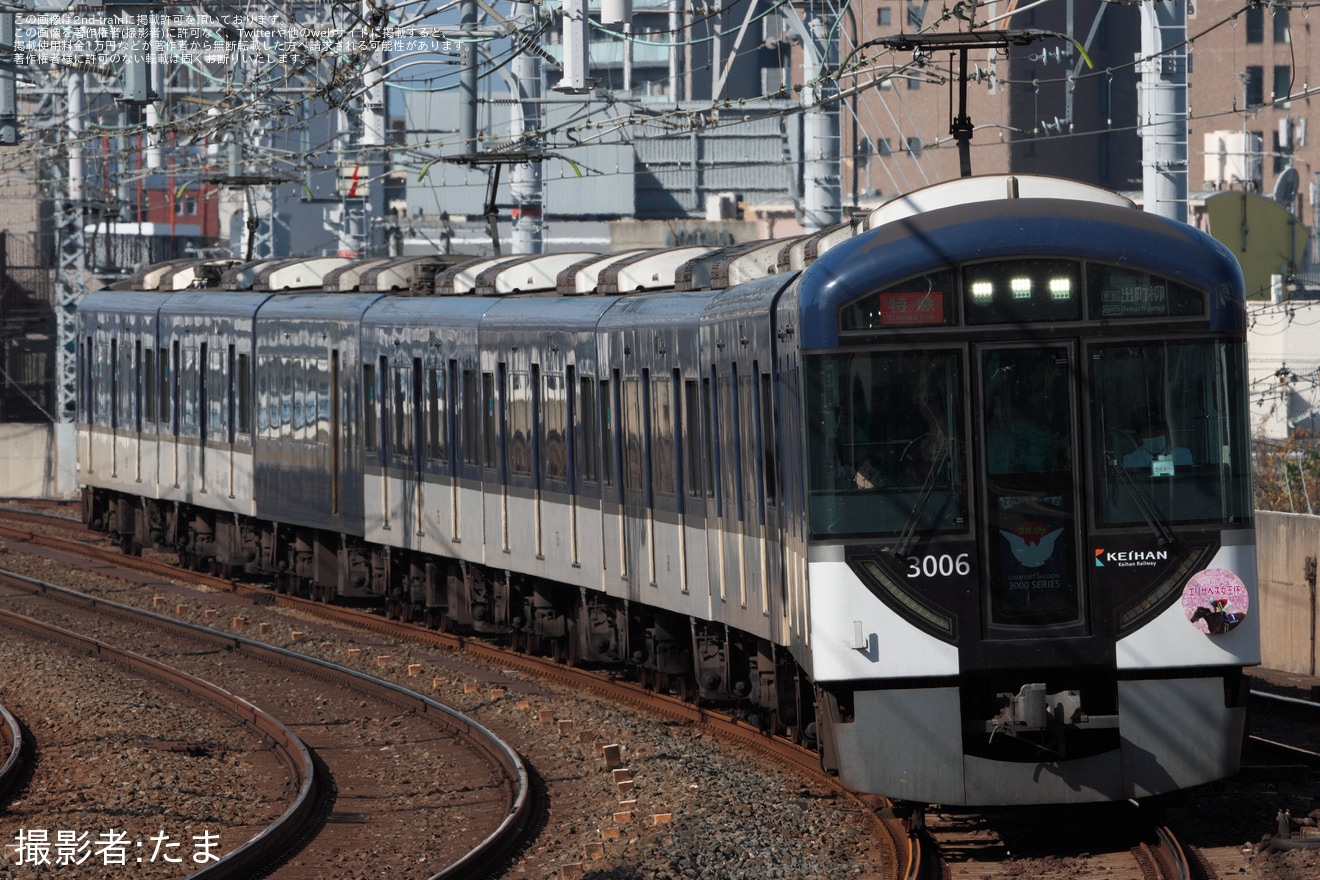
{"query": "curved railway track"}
{"type": "Point", "coordinates": [313, 833]}
{"type": "Point", "coordinates": [902, 849]}
{"type": "Point", "coordinates": [248, 859]}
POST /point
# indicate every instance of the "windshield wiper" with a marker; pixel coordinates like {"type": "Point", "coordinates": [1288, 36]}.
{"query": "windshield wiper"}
{"type": "Point", "coordinates": [908, 536]}
{"type": "Point", "coordinates": [1162, 533]}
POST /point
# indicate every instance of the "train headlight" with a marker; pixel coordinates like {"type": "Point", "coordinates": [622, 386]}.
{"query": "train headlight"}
{"type": "Point", "coordinates": [983, 291]}
{"type": "Point", "coordinates": [1021, 288]}
{"type": "Point", "coordinates": [1061, 288]}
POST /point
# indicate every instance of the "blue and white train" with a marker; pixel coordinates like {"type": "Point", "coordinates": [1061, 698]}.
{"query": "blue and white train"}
{"type": "Point", "coordinates": [958, 492]}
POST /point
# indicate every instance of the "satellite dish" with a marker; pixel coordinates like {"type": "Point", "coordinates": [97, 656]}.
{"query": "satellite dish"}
{"type": "Point", "coordinates": [1285, 189]}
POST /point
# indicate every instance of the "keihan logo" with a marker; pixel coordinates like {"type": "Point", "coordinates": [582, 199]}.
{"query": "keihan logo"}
{"type": "Point", "coordinates": [1099, 563]}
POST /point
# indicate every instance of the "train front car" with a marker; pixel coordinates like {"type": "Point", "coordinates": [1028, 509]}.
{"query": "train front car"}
{"type": "Point", "coordinates": [1030, 547]}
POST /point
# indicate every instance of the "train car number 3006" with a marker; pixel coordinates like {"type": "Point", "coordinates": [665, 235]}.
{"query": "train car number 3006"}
{"type": "Point", "coordinates": [939, 566]}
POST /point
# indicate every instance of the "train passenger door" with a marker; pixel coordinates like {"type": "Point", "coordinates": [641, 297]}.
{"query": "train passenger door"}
{"type": "Point", "coordinates": [1031, 523]}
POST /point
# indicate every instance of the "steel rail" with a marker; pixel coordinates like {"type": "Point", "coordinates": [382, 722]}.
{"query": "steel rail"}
{"type": "Point", "coordinates": [492, 848]}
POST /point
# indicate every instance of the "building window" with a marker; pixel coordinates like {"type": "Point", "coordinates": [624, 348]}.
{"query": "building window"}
{"type": "Point", "coordinates": [1282, 33]}
{"type": "Point", "coordinates": [185, 206]}
{"type": "Point", "coordinates": [1282, 83]}
{"type": "Point", "coordinates": [884, 16]}
{"type": "Point", "coordinates": [1255, 24]}
{"type": "Point", "coordinates": [913, 82]}
{"type": "Point", "coordinates": [914, 147]}
{"type": "Point", "coordinates": [1254, 83]}
{"type": "Point", "coordinates": [1282, 154]}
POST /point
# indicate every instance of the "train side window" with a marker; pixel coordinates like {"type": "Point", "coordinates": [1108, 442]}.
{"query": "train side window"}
{"type": "Point", "coordinates": [150, 398]}
{"type": "Point", "coordinates": [520, 423]}
{"type": "Point", "coordinates": [769, 435]}
{"type": "Point", "coordinates": [244, 394]}
{"type": "Point", "coordinates": [662, 428]}
{"type": "Point", "coordinates": [297, 373]}
{"type": "Point", "coordinates": [471, 416]}
{"type": "Point", "coordinates": [590, 429]}
{"type": "Point", "coordinates": [556, 427]}
{"type": "Point", "coordinates": [370, 409]}
{"type": "Point", "coordinates": [437, 437]}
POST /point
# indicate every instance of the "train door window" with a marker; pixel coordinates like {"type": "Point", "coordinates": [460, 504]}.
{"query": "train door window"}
{"type": "Point", "coordinates": [590, 436]}
{"type": "Point", "coordinates": [520, 423]}
{"type": "Point", "coordinates": [115, 403]}
{"type": "Point", "coordinates": [288, 367]}
{"type": "Point", "coordinates": [202, 377]}
{"type": "Point", "coordinates": [633, 466]}
{"type": "Point", "coordinates": [263, 397]}
{"type": "Point", "coordinates": [769, 435]}
{"type": "Point", "coordinates": [244, 382]}
{"type": "Point", "coordinates": [298, 381]}
{"type": "Point", "coordinates": [749, 460]}
{"type": "Point", "coordinates": [727, 446]}
{"type": "Point", "coordinates": [85, 380]}
{"type": "Point", "coordinates": [401, 414]}
{"type": "Point", "coordinates": [336, 449]}
{"type": "Point", "coordinates": [662, 431]}
{"type": "Point", "coordinates": [370, 409]}
{"type": "Point", "coordinates": [471, 417]}
{"type": "Point", "coordinates": [164, 412]}
{"type": "Point", "coordinates": [692, 422]}
{"type": "Point", "coordinates": [175, 386]}
{"type": "Point", "coordinates": [150, 398]}
{"type": "Point", "coordinates": [489, 421]}
{"type": "Point", "coordinates": [188, 380]}
{"type": "Point", "coordinates": [609, 440]}
{"type": "Point", "coordinates": [708, 435]}
{"type": "Point", "coordinates": [138, 381]}
{"type": "Point", "coordinates": [1032, 579]}
{"type": "Point", "coordinates": [217, 396]}
{"type": "Point", "coordinates": [556, 427]}
{"type": "Point", "coordinates": [437, 425]}
{"type": "Point", "coordinates": [321, 380]}
{"type": "Point", "coordinates": [231, 416]}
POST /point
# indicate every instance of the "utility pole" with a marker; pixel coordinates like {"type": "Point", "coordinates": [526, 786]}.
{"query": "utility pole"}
{"type": "Point", "coordinates": [821, 185]}
{"type": "Point", "coordinates": [1162, 107]}
{"type": "Point", "coordinates": [525, 178]}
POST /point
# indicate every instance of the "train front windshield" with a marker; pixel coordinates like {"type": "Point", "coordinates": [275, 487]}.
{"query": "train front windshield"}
{"type": "Point", "coordinates": [1158, 426]}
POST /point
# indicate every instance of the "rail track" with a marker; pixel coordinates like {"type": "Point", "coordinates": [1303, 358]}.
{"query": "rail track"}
{"type": "Point", "coordinates": [325, 819]}
{"type": "Point", "coordinates": [902, 848]}
{"type": "Point", "coordinates": [1112, 841]}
